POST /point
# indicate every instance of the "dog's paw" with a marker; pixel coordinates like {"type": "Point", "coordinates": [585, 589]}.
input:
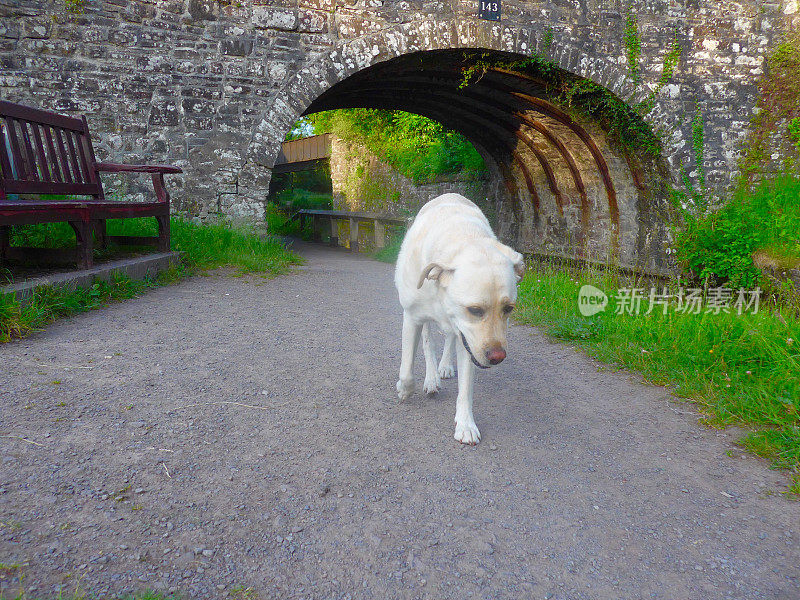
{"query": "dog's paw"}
{"type": "Point", "coordinates": [447, 372]}
{"type": "Point", "coordinates": [404, 390]}
{"type": "Point", "coordinates": [467, 432]}
{"type": "Point", "coordinates": [432, 384]}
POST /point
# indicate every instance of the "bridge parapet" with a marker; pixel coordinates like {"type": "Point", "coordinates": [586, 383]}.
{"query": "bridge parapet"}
{"type": "Point", "coordinates": [330, 220]}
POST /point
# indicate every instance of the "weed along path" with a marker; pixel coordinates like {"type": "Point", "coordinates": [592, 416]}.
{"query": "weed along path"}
{"type": "Point", "coordinates": [240, 437]}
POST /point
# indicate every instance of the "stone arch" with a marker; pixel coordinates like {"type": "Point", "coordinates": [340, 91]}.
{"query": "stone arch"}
{"type": "Point", "coordinates": [328, 68]}
{"type": "Point", "coordinates": [303, 90]}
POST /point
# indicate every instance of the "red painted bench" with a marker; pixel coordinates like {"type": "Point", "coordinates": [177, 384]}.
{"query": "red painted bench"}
{"type": "Point", "coordinates": [45, 153]}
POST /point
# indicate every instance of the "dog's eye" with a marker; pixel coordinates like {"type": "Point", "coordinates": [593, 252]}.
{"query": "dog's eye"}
{"type": "Point", "coordinates": [507, 309]}
{"type": "Point", "coordinates": [475, 311]}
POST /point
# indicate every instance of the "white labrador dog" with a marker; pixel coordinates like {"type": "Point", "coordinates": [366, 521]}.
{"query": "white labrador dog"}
{"type": "Point", "coordinates": [453, 271]}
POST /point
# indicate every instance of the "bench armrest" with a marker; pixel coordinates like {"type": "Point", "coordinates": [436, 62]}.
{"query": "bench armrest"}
{"type": "Point", "coordinates": [116, 168]}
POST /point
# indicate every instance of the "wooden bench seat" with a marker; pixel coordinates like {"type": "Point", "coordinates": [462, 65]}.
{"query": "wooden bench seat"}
{"type": "Point", "coordinates": [45, 153]}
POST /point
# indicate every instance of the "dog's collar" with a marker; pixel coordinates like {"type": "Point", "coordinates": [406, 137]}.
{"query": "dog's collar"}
{"type": "Point", "coordinates": [471, 355]}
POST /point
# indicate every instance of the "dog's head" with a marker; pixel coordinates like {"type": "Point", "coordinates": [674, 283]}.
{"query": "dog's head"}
{"type": "Point", "coordinates": [478, 291]}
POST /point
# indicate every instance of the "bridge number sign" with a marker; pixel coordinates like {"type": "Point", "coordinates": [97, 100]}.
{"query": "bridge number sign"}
{"type": "Point", "coordinates": [489, 10]}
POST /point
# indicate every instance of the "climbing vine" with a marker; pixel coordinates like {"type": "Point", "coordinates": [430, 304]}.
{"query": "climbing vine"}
{"type": "Point", "coordinates": [698, 147]}
{"type": "Point", "coordinates": [623, 122]}
{"type": "Point", "coordinates": [547, 40]}
{"type": "Point", "coordinates": [794, 133]}
{"type": "Point", "coordinates": [668, 70]}
{"type": "Point", "coordinates": [633, 45]}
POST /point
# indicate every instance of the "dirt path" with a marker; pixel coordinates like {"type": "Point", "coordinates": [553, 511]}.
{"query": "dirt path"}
{"type": "Point", "coordinates": [235, 432]}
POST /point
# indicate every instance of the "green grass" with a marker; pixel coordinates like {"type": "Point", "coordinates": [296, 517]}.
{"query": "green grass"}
{"type": "Point", "coordinates": [204, 246]}
{"type": "Point", "coordinates": [294, 199]}
{"type": "Point", "coordinates": [740, 369]}
{"type": "Point", "coordinates": [49, 303]}
{"type": "Point", "coordinates": [720, 246]}
{"type": "Point", "coordinates": [389, 252]}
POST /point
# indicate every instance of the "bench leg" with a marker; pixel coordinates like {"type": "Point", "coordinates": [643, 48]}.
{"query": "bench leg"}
{"type": "Point", "coordinates": [83, 235]}
{"type": "Point", "coordinates": [163, 233]}
{"type": "Point", "coordinates": [380, 235]}
{"type": "Point", "coordinates": [100, 233]}
{"type": "Point", "coordinates": [5, 241]}
{"type": "Point", "coordinates": [317, 235]}
{"type": "Point", "coordinates": [353, 235]}
{"type": "Point", "coordinates": [334, 232]}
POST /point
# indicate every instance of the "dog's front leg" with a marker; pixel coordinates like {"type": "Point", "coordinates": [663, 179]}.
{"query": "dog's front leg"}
{"type": "Point", "coordinates": [411, 331]}
{"type": "Point", "coordinates": [466, 430]}
{"type": "Point", "coordinates": [446, 369]}
{"type": "Point", "coordinates": [432, 380]}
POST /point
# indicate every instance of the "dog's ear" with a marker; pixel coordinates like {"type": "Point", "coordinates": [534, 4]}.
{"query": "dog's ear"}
{"type": "Point", "coordinates": [517, 260]}
{"type": "Point", "coordinates": [434, 272]}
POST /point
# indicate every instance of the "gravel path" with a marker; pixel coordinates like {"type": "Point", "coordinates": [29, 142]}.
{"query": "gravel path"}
{"type": "Point", "coordinates": [230, 433]}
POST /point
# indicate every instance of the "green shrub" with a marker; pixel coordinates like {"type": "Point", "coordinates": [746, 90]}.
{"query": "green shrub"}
{"type": "Point", "coordinates": [298, 199]}
{"type": "Point", "coordinates": [719, 247]}
{"type": "Point", "coordinates": [281, 222]}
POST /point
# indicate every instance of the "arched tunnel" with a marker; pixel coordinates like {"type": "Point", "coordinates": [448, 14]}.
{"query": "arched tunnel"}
{"type": "Point", "coordinates": [564, 186]}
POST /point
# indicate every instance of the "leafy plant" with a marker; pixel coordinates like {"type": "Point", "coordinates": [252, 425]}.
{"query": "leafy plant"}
{"type": "Point", "coordinates": [719, 247]}
{"type": "Point", "coordinates": [794, 132]}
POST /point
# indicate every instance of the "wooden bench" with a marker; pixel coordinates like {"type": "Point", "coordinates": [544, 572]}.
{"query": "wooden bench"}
{"type": "Point", "coordinates": [45, 153]}
{"type": "Point", "coordinates": [333, 217]}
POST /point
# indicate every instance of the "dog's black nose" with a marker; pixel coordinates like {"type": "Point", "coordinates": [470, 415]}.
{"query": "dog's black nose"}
{"type": "Point", "coordinates": [496, 356]}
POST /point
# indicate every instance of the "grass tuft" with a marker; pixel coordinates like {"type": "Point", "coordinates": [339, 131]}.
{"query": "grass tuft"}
{"type": "Point", "coordinates": [204, 247]}
{"type": "Point", "coordinates": [740, 369]}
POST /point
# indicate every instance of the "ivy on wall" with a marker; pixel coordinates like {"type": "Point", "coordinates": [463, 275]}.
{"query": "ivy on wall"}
{"type": "Point", "coordinates": [633, 45]}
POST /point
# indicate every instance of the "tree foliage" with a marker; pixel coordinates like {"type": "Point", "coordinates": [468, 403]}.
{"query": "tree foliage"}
{"type": "Point", "coordinates": [416, 146]}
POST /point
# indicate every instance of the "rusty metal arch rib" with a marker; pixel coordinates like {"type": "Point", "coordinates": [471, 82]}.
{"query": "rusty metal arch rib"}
{"type": "Point", "coordinates": [508, 107]}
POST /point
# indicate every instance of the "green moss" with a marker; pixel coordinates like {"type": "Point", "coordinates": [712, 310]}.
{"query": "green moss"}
{"type": "Point", "coordinates": [779, 102]}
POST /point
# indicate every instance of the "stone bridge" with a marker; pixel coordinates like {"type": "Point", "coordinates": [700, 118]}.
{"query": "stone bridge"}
{"type": "Point", "coordinates": [215, 86]}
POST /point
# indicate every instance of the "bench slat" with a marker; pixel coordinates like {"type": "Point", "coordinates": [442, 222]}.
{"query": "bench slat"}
{"type": "Point", "coordinates": [14, 186]}
{"type": "Point", "coordinates": [5, 160]}
{"type": "Point", "coordinates": [56, 169]}
{"type": "Point", "coordinates": [33, 172]}
{"type": "Point", "coordinates": [18, 111]}
{"type": "Point", "coordinates": [40, 153]}
{"type": "Point", "coordinates": [16, 157]}
{"type": "Point", "coordinates": [88, 172]}
{"type": "Point", "coordinates": [73, 158]}
{"type": "Point", "coordinates": [62, 154]}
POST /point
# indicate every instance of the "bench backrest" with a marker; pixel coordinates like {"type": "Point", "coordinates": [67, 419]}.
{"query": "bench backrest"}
{"type": "Point", "coordinates": [42, 152]}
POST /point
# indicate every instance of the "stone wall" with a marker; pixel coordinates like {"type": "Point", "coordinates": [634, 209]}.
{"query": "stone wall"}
{"type": "Point", "coordinates": [214, 86]}
{"type": "Point", "coordinates": [363, 182]}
